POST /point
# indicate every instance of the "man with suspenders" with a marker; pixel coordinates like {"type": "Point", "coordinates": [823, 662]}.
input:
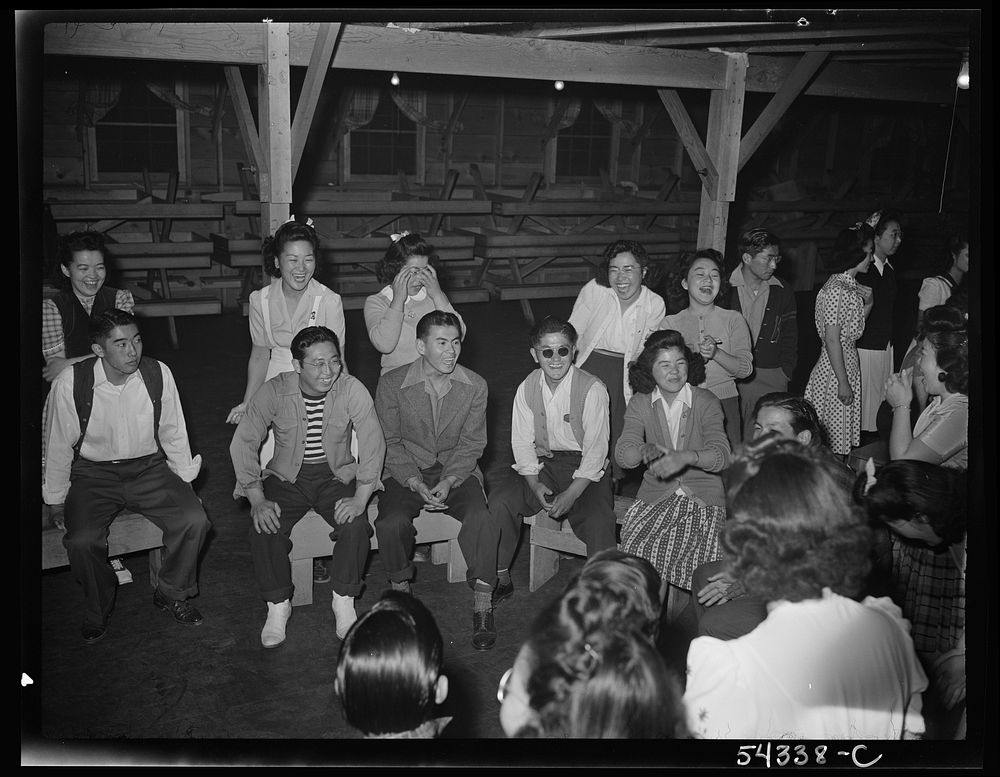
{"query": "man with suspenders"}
{"type": "Point", "coordinates": [116, 439]}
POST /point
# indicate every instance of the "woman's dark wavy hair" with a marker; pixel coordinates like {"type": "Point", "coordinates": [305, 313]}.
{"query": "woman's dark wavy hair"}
{"type": "Point", "coordinates": [626, 246]}
{"type": "Point", "coordinates": [906, 488]}
{"type": "Point", "coordinates": [640, 372]}
{"type": "Point", "coordinates": [677, 295]}
{"type": "Point", "coordinates": [633, 584]}
{"type": "Point", "coordinates": [399, 252]}
{"type": "Point", "coordinates": [592, 677]}
{"type": "Point", "coordinates": [848, 248]}
{"type": "Point", "coordinates": [945, 328]}
{"type": "Point", "coordinates": [86, 240]}
{"type": "Point", "coordinates": [272, 245]}
{"type": "Point", "coordinates": [793, 528]}
{"type": "Point", "coordinates": [389, 665]}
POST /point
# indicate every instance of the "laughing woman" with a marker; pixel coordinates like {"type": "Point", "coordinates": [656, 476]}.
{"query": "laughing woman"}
{"type": "Point", "coordinates": [721, 336]}
{"type": "Point", "coordinates": [676, 429]}
{"type": "Point", "coordinates": [292, 301]}
{"type": "Point", "coordinates": [613, 315]}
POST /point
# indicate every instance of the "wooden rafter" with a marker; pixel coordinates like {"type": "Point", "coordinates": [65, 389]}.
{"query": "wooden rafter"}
{"type": "Point", "coordinates": [319, 66]}
{"type": "Point", "coordinates": [776, 107]}
{"type": "Point", "coordinates": [703, 163]}
{"type": "Point", "coordinates": [244, 117]}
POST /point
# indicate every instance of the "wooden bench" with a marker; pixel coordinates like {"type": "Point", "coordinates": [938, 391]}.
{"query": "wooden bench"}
{"type": "Point", "coordinates": [129, 533]}
{"type": "Point", "coordinates": [550, 537]}
{"type": "Point", "coordinates": [311, 539]}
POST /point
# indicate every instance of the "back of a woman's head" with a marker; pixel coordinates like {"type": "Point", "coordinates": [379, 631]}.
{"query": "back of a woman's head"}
{"type": "Point", "coordinates": [848, 248]}
{"type": "Point", "coordinates": [946, 329]}
{"type": "Point", "coordinates": [388, 666]}
{"type": "Point", "coordinates": [909, 489]}
{"type": "Point", "coordinates": [794, 529]}
{"type": "Point", "coordinates": [593, 676]}
{"type": "Point", "coordinates": [631, 586]}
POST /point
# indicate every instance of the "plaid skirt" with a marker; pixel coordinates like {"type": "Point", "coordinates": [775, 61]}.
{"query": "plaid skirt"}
{"type": "Point", "coordinates": [930, 590]}
{"type": "Point", "coordinates": [676, 535]}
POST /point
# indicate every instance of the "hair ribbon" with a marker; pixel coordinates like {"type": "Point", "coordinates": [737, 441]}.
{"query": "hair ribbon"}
{"type": "Point", "coordinates": [397, 236]}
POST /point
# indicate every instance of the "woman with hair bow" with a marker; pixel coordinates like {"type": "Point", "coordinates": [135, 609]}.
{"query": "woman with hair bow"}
{"type": "Point", "coordinates": [409, 271]}
{"type": "Point", "coordinates": [292, 301]}
{"type": "Point", "coordinates": [875, 344]}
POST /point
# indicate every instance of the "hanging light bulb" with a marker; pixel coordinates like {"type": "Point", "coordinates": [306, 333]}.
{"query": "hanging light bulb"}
{"type": "Point", "coordinates": [394, 80]}
{"type": "Point", "coordinates": [559, 85]}
{"type": "Point", "coordinates": [963, 74]}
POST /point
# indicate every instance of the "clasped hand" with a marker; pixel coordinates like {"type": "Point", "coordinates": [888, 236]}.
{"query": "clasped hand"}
{"type": "Point", "coordinates": [434, 498]}
{"type": "Point", "coordinates": [662, 462]}
{"type": "Point", "coordinates": [899, 387]}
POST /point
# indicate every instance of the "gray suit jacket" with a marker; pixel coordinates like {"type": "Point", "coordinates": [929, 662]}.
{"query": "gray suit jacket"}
{"type": "Point", "coordinates": [412, 443]}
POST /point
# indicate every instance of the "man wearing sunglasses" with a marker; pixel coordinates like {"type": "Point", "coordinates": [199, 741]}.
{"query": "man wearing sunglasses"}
{"type": "Point", "coordinates": [559, 436]}
{"type": "Point", "coordinates": [313, 411]}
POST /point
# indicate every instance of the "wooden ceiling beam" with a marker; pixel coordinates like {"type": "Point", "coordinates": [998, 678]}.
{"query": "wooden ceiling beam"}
{"type": "Point", "coordinates": [856, 80]}
{"type": "Point", "coordinates": [382, 48]}
{"type": "Point", "coordinates": [798, 34]}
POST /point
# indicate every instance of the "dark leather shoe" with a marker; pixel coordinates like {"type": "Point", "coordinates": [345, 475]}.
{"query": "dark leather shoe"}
{"type": "Point", "coordinates": [484, 633]}
{"type": "Point", "coordinates": [92, 633]}
{"type": "Point", "coordinates": [180, 609]}
{"type": "Point", "coordinates": [502, 592]}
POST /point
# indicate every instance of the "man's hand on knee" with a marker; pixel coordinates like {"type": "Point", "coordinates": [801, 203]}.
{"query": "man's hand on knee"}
{"type": "Point", "coordinates": [265, 516]}
{"type": "Point", "coordinates": [348, 508]}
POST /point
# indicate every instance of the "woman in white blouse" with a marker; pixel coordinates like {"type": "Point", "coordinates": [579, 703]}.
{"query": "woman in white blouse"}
{"type": "Point", "coordinates": [613, 314]}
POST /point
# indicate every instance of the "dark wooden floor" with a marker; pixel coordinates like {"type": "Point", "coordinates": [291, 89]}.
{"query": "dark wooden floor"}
{"type": "Point", "coordinates": [153, 679]}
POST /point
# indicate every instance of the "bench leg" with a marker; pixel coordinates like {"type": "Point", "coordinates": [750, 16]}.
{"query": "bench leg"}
{"type": "Point", "coordinates": [439, 552]}
{"type": "Point", "coordinates": [544, 565]}
{"type": "Point", "coordinates": [155, 562]}
{"type": "Point", "coordinates": [302, 580]}
{"type": "Point", "coordinates": [457, 568]}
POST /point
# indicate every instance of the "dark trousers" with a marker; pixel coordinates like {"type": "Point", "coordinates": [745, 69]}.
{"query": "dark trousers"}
{"type": "Point", "coordinates": [728, 620]}
{"type": "Point", "coordinates": [314, 488]}
{"type": "Point", "coordinates": [592, 515]}
{"type": "Point", "coordinates": [98, 492]}
{"type": "Point", "coordinates": [398, 506]}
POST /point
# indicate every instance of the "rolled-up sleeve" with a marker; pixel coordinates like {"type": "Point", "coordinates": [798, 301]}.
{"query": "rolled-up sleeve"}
{"type": "Point", "coordinates": [173, 432]}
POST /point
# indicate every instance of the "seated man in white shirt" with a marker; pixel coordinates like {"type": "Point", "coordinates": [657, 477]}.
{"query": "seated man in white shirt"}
{"type": "Point", "coordinates": [116, 439]}
{"type": "Point", "coordinates": [559, 436]}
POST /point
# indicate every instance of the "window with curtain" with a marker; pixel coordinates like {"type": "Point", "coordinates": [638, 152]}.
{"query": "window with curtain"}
{"type": "Point", "coordinates": [584, 148]}
{"type": "Point", "coordinates": [387, 144]}
{"type": "Point", "coordinates": [139, 132]}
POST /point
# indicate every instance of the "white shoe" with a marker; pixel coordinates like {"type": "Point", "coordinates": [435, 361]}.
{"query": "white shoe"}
{"type": "Point", "coordinates": [273, 633]}
{"type": "Point", "coordinates": [124, 576]}
{"type": "Point", "coordinates": [343, 610]}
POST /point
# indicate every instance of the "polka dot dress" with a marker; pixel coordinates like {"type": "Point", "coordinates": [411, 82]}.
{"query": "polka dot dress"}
{"type": "Point", "coordinates": [838, 302]}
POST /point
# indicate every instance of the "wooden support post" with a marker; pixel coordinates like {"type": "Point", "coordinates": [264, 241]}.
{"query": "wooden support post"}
{"type": "Point", "coordinates": [274, 79]}
{"type": "Point", "coordinates": [725, 127]}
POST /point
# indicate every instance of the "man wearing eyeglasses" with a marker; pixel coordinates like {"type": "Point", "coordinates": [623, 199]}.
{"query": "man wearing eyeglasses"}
{"type": "Point", "coordinates": [312, 412]}
{"type": "Point", "coordinates": [770, 311]}
{"type": "Point", "coordinates": [559, 436]}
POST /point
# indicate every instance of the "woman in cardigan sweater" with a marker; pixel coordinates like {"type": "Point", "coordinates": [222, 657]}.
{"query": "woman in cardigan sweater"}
{"type": "Point", "coordinates": [676, 429]}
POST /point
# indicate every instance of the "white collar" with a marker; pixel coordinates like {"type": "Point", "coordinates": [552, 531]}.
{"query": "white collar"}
{"type": "Point", "coordinates": [683, 396]}
{"type": "Point", "coordinates": [420, 295]}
